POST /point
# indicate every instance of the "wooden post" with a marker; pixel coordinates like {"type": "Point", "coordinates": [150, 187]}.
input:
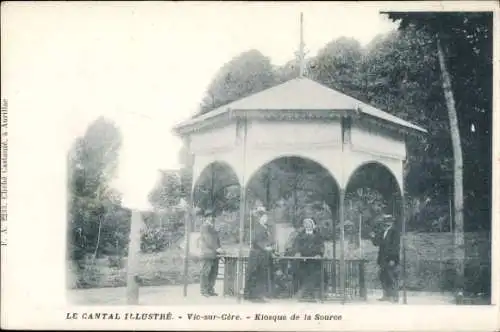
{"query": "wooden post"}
{"type": "Point", "coordinates": [239, 268]}
{"type": "Point", "coordinates": [243, 206]}
{"type": "Point", "coordinates": [359, 236]}
{"type": "Point", "coordinates": [187, 231]}
{"type": "Point", "coordinates": [334, 252]}
{"type": "Point", "coordinates": [403, 242]}
{"type": "Point", "coordinates": [188, 220]}
{"type": "Point", "coordinates": [342, 243]}
{"type": "Point", "coordinates": [212, 187]}
{"type": "Point", "coordinates": [133, 258]}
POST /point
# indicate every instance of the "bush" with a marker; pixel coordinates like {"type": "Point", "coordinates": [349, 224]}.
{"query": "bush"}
{"type": "Point", "coordinates": [159, 268]}
{"type": "Point", "coordinates": [115, 262]}
{"type": "Point", "coordinates": [477, 277]}
{"type": "Point", "coordinates": [89, 277]}
{"type": "Point", "coordinates": [153, 240]}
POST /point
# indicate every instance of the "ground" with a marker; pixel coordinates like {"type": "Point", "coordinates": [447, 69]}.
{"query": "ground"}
{"type": "Point", "coordinates": [173, 295]}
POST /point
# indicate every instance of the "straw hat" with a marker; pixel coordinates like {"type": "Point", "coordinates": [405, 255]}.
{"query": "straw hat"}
{"type": "Point", "coordinates": [387, 218]}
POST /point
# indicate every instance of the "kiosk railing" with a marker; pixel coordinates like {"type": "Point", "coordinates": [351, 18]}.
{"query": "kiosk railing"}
{"type": "Point", "coordinates": [283, 281]}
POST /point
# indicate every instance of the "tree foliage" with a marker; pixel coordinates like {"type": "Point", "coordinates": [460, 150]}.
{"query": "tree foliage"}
{"type": "Point", "coordinates": [467, 42]}
{"type": "Point", "coordinates": [167, 192]}
{"type": "Point", "coordinates": [338, 66]}
{"type": "Point", "coordinates": [248, 73]}
{"type": "Point", "coordinates": [96, 221]}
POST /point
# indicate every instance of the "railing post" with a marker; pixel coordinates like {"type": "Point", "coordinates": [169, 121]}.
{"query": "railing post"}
{"type": "Point", "coordinates": [322, 281]}
{"type": "Point", "coordinates": [362, 284]}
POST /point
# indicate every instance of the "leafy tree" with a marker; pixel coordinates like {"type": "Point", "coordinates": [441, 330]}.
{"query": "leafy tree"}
{"type": "Point", "coordinates": [402, 79]}
{"type": "Point", "coordinates": [366, 204]}
{"type": "Point", "coordinates": [94, 205]}
{"type": "Point", "coordinates": [338, 66]}
{"type": "Point", "coordinates": [186, 172]}
{"type": "Point", "coordinates": [463, 44]}
{"type": "Point", "coordinates": [248, 73]}
{"type": "Point", "coordinates": [167, 192]}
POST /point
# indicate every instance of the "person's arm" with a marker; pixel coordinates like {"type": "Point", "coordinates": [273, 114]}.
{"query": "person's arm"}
{"type": "Point", "coordinates": [217, 242]}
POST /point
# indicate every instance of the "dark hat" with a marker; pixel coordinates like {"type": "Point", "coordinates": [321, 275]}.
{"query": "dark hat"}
{"type": "Point", "coordinates": [207, 213]}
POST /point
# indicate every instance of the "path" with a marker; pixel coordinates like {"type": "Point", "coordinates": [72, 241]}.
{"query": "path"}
{"type": "Point", "coordinates": [173, 295]}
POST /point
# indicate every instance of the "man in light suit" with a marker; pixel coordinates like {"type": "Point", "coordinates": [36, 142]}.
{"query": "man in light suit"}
{"type": "Point", "coordinates": [209, 247]}
{"type": "Point", "coordinates": [388, 258]}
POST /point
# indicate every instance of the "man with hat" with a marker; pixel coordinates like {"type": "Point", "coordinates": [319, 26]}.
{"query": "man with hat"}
{"type": "Point", "coordinates": [259, 260]}
{"type": "Point", "coordinates": [388, 258]}
{"type": "Point", "coordinates": [209, 247]}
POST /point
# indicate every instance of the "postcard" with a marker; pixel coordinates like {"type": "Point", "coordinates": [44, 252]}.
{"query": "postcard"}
{"type": "Point", "coordinates": [250, 166]}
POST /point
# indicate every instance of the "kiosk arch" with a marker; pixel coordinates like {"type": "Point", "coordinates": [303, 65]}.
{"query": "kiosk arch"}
{"type": "Point", "coordinates": [381, 179]}
{"type": "Point", "coordinates": [209, 188]}
{"type": "Point", "coordinates": [307, 174]}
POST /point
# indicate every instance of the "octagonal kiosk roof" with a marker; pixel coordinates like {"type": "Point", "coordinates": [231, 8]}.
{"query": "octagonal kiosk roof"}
{"type": "Point", "coordinates": [297, 118]}
{"type": "Point", "coordinates": [299, 94]}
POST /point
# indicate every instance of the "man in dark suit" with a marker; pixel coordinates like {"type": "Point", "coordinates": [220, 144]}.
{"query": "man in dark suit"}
{"type": "Point", "coordinates": [209, 247]}
{"type": "Point", "coordinates": [388, 258]}
{"type": "Point", "coordinates": [259, 260]}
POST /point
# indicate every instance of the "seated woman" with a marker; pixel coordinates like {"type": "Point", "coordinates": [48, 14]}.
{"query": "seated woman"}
{"type": "Point", "coordinates": [309, 243]}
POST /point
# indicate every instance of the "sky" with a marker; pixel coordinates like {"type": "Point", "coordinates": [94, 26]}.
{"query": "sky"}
{"type": "Point", "coordinates": [146, 65]}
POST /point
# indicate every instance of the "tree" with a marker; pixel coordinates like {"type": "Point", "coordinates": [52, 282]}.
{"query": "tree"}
{"type": "Point", "coordinates": [402, 77]}
{"type": "Point", "coordinates": [167, 191]}
{"type": "Point", "coordinates": [460, 40]}
{"type": "Point", "coordinates": [248, 73]}
{"type": "Point", "coordinates": [338, 66]}
{"type": "Point", "coordinates": [92, 163]}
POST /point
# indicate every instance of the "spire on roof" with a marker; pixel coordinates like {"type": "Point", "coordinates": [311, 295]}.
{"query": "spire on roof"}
{"type": "Point", "coordinates": [301, 53]}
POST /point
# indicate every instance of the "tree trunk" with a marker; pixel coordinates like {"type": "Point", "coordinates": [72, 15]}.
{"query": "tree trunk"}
{"type": "Point", "coordinates": [98, 239]}
{"type": "Point", "coordinates": [457, 168]}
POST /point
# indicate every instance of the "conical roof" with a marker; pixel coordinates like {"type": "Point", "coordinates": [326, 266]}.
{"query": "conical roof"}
{"type": "Point", "coordinates": [302, 94]}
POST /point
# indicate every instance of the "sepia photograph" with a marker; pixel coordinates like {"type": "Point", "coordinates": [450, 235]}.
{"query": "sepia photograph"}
{"type": "Point", "coordinates": [265, 155]}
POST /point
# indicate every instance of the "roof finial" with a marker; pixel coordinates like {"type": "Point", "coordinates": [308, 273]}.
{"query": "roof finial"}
{"type": "Point", "coordinates": [301, 53]}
